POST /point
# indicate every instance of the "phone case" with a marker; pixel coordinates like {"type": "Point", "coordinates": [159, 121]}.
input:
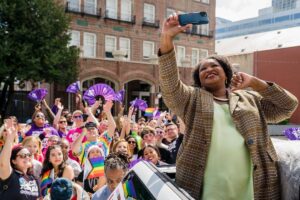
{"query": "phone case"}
{"type": "Point", "coordinates": [195, 18]}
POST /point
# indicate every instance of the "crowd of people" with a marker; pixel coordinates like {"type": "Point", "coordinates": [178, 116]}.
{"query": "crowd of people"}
{"type": "Point", "coordinates": [218, 139]}
{"type": "Point", "coordinates": [81, 151]}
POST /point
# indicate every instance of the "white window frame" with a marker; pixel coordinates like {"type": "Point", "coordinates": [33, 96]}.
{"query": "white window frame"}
{"type": "Point", "coordinates": [178, 56]}
{"type": "Point", "coordinates": [152, 47]}
{"type": "Point", "coordinates": [127, 49]}
{"type": "Point", "coordinates": [205, 1]}
{"type": "Point", "coordinates": [204, 29]}
{"type": "Point", "coordinates": [195, 57]}
{"type": "Point", "coordinates": [203, 53]}
{"type": "Point", "coordinates": [112, 9]}
{"type": "Point", "coordinates": [126, 10]}
{"type": "Point", "coordinates": [90, 6]}
{"type": "Point", "coordinates": [114, 47]}
{"type": "Point", "coordinates": [74, 5]}
{"type": "Point", "coordinates": [149, 15]}
{"type": "Point", "coordinates": [75, 38]}
{"type": "Point", "coordinates": [87, 45]}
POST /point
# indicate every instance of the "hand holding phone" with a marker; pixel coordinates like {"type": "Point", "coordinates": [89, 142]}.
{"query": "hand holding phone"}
{"type": "Point", "coordinates": [196, 18]}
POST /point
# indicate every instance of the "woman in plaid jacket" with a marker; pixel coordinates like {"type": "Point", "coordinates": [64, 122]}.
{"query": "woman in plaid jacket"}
{"type": "Point", "coordinates": [226, 152]}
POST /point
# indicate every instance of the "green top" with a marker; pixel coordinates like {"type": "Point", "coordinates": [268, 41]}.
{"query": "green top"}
{"type": "Point", "coordinates": [228, 173]}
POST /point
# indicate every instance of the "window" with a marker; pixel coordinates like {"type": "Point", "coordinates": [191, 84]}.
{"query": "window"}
{"type": "Point", "coordinates": [75, 38]}
{"type": "Point", "coordinates": [124, 44]}
{"type": "Point", "coordinates": [89, 45]}
{"type": "Point", "coordinates": [148, 49]}
{"type": "Point", "coordinates": [90, 6]}
{"type": "Point", "coordinates": [149, 13]}
{"type": "Point", "coordinates": [110, 46]}
{"type": "Point", "coordinates": [204, 29]}
{"type": "Point", "coordinates": [180, 54]}
{"type": "Point", "coordinates": [74, 5]}
{"type": "Point", "coordinates": [195, 56]}
{"type": "Point", "coordinates": [126, 10]}
{"type": "Point", "coordinates": [205, 1]}
{"type": "Point", "coordinates": [112, 9]}
{"type": "Point", "coordinates": [203, 53]}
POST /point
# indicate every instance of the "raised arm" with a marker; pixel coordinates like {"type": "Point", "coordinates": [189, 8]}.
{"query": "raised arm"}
{"type": "Point", "coordinates": [5, 168]}
{"type": "Point", "coordinates": [77, 144]}
{"type": "Point", "coordinates": [58, 115]}
{"type": "Point", "coordinates": [48, 110]}
{"type": "Point", "coordinates": [176, 94]}
{"type": "Point", "coordinates": [111, 122]}
{"type": "Point", "coordinates": [91, 116]}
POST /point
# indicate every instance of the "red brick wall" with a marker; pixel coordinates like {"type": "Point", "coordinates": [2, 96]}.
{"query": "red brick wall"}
{"type": "Point", "coordinates": [283, 67]}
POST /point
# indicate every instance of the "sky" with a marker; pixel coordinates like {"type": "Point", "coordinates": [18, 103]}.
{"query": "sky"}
{"type": "Point", "coordinates": [235, 10]}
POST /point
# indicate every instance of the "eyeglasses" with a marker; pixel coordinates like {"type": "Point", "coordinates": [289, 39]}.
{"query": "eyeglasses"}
{"type": "Point", "coordinates": [24, 155]}
{"type": "Point", "coordinates": [62, 122]}
{"type": "Point", "coordinates": [77, 116]}
{"type": "Point", "coordinates": [171, 129]}
{"type": "Point", "coordinates": [40, 116]}
{"type": "Point", "coordinates": [131, 142]}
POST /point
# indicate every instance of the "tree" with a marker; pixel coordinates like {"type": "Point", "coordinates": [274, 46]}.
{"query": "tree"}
{"type": "Point", "coordinates": [34, 45]}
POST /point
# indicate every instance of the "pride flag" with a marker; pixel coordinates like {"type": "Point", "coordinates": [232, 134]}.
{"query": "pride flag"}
{"type": "Point", "coordinates": [128, 189]}
{"type": "Point", "coordinates": [97, 168]}
{"type": "Point", "coordinates": [149, 112]}
{"type": "Point", "coordinates": [46, 183]}
{"type": "Point", "coordinates": [105, 140]}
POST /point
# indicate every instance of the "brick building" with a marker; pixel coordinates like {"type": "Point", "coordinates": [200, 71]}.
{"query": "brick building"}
{"type": "Point", "coordinates": [119, 40]}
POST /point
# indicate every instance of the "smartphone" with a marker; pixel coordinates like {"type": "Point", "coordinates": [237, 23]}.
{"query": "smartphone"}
{"type": "Point", "coordinates": [196, 18]}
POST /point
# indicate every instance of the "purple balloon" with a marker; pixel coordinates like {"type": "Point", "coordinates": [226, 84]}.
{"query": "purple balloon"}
{"type": "Point", "coordinates": [73, 87]}
{"type": "Point", "coordinates": [139, 103]}
{"type": "Point", "coordinates": [38, 94]}
{"type": "Point", "coordinates": [98, 90]}
{"type": "Point", "coordinates": [120, 96]}
{"type": "Point", "coordinates": [292, 133]}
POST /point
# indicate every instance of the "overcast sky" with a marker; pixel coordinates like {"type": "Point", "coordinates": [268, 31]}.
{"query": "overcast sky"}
{"type": "Point", "coordinates": [235, 10]}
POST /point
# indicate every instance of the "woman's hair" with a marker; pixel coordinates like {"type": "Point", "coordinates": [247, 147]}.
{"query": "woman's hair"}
{"type": "Point", "coordinates": [33, 139]}
{"type": "Point", "coordinates": [152, 147]}
{"type": "Point", "coordinates": [136, 149]}
{"type": "Point", "coordinates": [13, 156]}
{"type": "Point", "coordinates": [48, 166]}
{"type": "Point", "coordinates": [116, 143]}
{"type": "Point", "coordinates": [116, 161]}
{"type": "Point", "coordinates": [223, 61]}
{"type": "Point", "coordinates": [2, 128]}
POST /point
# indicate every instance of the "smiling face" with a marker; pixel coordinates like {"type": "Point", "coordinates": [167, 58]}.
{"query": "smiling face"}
{"type": "Point", "coordinates": [151, 154]}
{"type": "Point", "coordinates": [92, 134]}
{"type": "Point", "coordinates": [122, 147]}
{"type": "Point", "coordinates": [212, 75]}
{"type": "Point", "coordinates": [23, 160]}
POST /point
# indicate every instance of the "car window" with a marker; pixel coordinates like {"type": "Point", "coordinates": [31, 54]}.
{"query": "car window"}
{"type": "Point", "coordinates": [134, 188]}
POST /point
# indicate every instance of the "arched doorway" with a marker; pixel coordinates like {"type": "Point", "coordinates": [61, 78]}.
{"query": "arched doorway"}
{"type": "Point", "coordinates": [139, 89]}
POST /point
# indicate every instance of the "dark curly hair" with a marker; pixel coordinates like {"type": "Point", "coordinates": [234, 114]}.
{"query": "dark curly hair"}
{"type": "Point", "coordinates": [116, 161]}
{"type": "Point", "coordinates": [48, 166]}
{"type": "Point", "coordinates": [223, 61]}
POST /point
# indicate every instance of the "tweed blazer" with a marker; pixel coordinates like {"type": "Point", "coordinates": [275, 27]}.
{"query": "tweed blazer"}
{"type": "Point", "coordinates": [250, 111]}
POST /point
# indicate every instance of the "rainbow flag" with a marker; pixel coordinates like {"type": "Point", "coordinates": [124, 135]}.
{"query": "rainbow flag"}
{"type": "Point", "coordinates": [105, 140]}
{"type": "Point", "coordinates": [128, 189]}
{"type": "Point", "coordinates": [46, 183]}
{"type": "Point", "coordinates": [149, 112]}
{"type": "Point", "coordinates": [97, 168]}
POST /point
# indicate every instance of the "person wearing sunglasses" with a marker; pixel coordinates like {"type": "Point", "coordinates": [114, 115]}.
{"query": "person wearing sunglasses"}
{"type": "Point", "coordinates": [39, 127]}
{"type": "Point", "coordinates": [133, 148]}
{"type": "Point", "coordinates": [16, 179]}
{"type": "Point", "coordinates": [77, 127]}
